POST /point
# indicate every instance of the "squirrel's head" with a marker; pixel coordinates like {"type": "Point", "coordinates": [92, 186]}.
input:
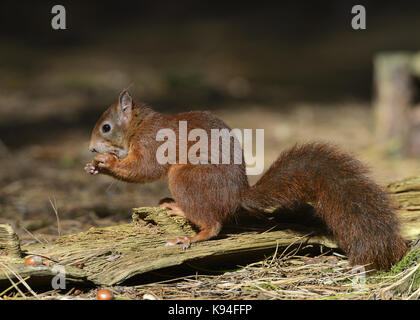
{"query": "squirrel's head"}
{"type": "Point", "coordinates": [109, 131]}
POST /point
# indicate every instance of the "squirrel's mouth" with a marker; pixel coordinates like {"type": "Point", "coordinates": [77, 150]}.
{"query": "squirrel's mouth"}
{"type": "Point", "coordinates": [119, 153]}
{"type": "Point", "coordinates": [116, 153]}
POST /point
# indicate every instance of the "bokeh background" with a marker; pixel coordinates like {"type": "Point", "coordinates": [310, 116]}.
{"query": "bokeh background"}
{"type": "Point", "coordinates": [294, 68]}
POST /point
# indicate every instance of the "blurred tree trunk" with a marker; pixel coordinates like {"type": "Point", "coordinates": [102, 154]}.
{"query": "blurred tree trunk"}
{"type": "Point", "coordinates": [397, 120]}
{"type": "Point", "coordinates": [394, 94]}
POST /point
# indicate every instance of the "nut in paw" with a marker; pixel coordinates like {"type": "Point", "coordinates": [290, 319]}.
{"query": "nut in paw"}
{"type": "Point", "coordinates": [105, 161]}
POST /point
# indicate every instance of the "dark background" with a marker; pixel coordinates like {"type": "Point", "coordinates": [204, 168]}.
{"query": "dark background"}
{"type": "Point", "coordinates": [286, 51]}
{"type": "Point", "coordinates": [307, 46]}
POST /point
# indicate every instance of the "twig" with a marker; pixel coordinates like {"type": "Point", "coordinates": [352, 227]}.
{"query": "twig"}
{"type": "Point", "coordinates": [13, 284]}
{"type": "Point", "coordinates": [54, 206]}
{"type": "Point", "coordinates": [401, 280]}
{"type": "Point", "coordinates": [21, 279]}
{"type": "Point", "coordinates": [417, 292]}
{"type": "Point", "coordinates": [32, 235]}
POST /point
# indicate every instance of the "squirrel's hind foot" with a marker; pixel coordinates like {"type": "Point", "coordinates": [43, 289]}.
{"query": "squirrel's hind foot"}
{"type": "Point", "coordinates": [205, 234]}
{"type": "Point", "coordinates": [186, 242]}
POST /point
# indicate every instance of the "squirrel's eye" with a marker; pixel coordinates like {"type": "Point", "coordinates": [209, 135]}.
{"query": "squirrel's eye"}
{"type": "Point", "coordinates": [106, 127]}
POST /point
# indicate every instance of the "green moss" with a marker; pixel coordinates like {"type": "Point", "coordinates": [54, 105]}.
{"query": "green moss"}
{"type": "Point", "coordinates": [410, 260]}
{"type": "Point", "coordinates": [413, 282]}
{"type": "Point", "coordinates": [270, 286]}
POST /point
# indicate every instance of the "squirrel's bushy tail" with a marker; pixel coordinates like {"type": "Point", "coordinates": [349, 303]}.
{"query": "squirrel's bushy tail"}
{"type": "Point", "coordinates": [357, 211]}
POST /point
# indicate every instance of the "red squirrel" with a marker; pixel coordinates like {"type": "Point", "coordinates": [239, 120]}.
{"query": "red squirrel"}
{"type": "Point", "coordinates": [354, 208]}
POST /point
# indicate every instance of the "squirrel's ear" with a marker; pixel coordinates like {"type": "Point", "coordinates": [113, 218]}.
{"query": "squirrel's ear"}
{"type": "Point", "coordinates": [125, 104]}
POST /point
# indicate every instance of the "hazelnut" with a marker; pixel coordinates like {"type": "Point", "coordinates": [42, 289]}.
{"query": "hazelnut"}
{"type": "Point", "coordinates": [33, 261]}
{"type": "Point", "coordinates": [80, 265]}
{"type": "Point", "coordinates": [104, 294]}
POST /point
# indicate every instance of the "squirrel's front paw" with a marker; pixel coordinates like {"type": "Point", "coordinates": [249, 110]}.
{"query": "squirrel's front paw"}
{"type": "Point", "coordinates": [91, 168]}
{"type": "Point", "coordinates": [104, 161]}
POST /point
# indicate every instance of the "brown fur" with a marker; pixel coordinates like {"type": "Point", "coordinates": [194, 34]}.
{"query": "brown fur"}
{"type": "Point", "coordinates": [357, 210]}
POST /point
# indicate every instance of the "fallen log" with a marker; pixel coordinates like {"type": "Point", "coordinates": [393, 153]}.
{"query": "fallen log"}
{"type": "Point", "coordinates": [117, 254]}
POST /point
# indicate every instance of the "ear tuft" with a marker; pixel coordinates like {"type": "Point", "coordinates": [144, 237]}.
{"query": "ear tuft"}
{"type": "Point", "coordinates": [126, 102]}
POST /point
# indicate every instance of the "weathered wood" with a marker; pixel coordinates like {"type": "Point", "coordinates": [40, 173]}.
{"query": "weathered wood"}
{"type": "Point", "coordinates": [12, 267]}
{"type": "Point", "coordinates": [112, 255]}
{"type": "Point", "coordinates": [9, 242]}
{"type": "Point", "coordinates": [407, 195]}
